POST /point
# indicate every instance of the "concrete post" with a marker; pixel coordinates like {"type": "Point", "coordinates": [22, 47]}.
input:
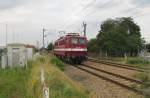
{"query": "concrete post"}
{"type": "Point", "coordinates": [4, 61]}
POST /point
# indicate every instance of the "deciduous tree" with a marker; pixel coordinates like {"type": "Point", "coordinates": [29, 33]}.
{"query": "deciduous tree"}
{"type": "Point", "coordinates": [120, 36]}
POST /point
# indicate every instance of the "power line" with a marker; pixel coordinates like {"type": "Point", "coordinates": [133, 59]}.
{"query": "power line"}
{"type": "Point", "coordinates": [84, 8]}
{"type": "Point", "coordinates": [93, 11]}
{"type": "Point", "coordinates": [72, 14]}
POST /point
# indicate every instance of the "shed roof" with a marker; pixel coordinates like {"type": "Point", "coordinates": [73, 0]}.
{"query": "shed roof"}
{"type": "Point", "coordinates": [2, 47]}
{"type": "Point", "coordinates": [29, 46]}
{"type": "Point", "coordinates": [15, 44]}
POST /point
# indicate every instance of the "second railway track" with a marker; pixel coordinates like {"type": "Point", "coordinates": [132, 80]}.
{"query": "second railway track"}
{"type": "Point", "coordinates": [109, 63]}
{"type": "Point", "coordinates": [118, 79]}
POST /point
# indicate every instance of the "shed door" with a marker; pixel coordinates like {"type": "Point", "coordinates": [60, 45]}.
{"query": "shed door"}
{"type": "Point", "coordinates": [15, 57]}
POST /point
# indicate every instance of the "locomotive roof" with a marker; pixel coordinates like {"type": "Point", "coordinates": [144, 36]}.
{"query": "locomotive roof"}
{"type": "Point", "coordinates": [69, 35]}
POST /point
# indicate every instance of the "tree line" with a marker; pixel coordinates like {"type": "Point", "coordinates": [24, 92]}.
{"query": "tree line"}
{"type": "Point", "coordinates": [118, 37]}
{"type": "Point", "coordinates": [148, 47]}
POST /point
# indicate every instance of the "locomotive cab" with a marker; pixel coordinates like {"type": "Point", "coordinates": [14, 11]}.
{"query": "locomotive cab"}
{"type": "Point", "coordinates": [78, 47]}
{"type": "Point", "coordinates": [72, 48]}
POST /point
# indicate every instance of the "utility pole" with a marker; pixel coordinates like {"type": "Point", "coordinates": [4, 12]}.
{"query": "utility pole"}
{"type": "Point", "coordinates": [6, 48]}
{"type": "Point", "coordinates": [6, 35]}
{"type": "Point", "coordinates": [62, 32]}
{"type": "Point", "coordinates": [84, 28]}
{"type": "Point", "coordinates": [43, 37]}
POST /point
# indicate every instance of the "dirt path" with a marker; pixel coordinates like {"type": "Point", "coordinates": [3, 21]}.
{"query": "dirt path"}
{"type": "Point", "coordinates": [99, 88]}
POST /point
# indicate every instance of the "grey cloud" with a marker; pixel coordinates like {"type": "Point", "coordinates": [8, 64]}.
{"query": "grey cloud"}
{"type": "Point", "coordinates": [99, 6]}
{"type": "Point", "coordinates": [106, 5]}
{"type": "Point", "coordinates": [141, 3]}
{"type": "Point", "coordinates": [8, 4]}
{"type": "Point", "coordinates": [138, 9]}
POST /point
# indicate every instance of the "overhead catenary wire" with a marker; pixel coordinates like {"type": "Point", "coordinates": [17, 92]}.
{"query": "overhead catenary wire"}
{"type": "Point", "coordinates": [77, 13]}
{"type": "Point", "coordinates": [103, 5]}
{"type": "Point", "coordinates": [84, 12]}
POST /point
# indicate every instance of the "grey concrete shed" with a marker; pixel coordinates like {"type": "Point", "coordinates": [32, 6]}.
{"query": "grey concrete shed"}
{"type": "Point", "coordinates": [17, 55]}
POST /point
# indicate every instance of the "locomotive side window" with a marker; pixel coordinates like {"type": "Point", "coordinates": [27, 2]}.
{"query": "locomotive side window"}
{"type": "Point", "coordinates": [67, 41]}
{"type": "Point", "coordinates": [63, 42]}
{"type": "Point", "coordinates": [82, 41]}
{"type": "Point", "coordinates": [56, 44]}
{"type": "Point", "coordinates": [74, 41]}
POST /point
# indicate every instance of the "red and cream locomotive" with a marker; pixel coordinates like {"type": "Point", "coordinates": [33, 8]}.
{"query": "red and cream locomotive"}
{"type": "Point", "coordinates": [71, 48]}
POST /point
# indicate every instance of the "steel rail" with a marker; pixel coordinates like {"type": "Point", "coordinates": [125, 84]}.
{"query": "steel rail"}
{"type": "Point", "coordinates": [113, 81]}
{"type": "Point", "coordinates": [114, 74]}
{"type": "Point", "coordinates": [117, 65]}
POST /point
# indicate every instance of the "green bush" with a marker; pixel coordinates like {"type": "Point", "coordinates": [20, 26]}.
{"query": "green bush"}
{"type": "Point", "coordinates": [58, 63]}
{"type": "Point", "coordinates": [137, 61]}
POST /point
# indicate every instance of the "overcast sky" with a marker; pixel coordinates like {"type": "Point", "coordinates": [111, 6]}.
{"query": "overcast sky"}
{"type": "Point", "coordinates": [26, 18]}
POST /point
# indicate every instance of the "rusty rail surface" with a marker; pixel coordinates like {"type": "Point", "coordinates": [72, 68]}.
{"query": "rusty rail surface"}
{"type": "Point", "coordinates": [117, 65]}
{"type": "Point", "coordinates": [84, 67]}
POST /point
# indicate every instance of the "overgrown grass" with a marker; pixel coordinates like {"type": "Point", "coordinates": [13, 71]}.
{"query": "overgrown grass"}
{"type": "Point", "coordinates": [12, 83]}
{"type": "Point", "coordinates": [26, 83]}
{"type": "Point", "coordinates": [59, 84]}
{"type": "Point", "coordinates": [138, 62]}
{"type": "Point", "coordinates": [57, 62]}
{"type": "Point", "coordinates": [34, 83]}
{"type": "Point", "coordinates": [145, 77]}
{"type": "Point", "coordinates": [118, 59]}
{"type": "Point", "coordinates": [132, 61]}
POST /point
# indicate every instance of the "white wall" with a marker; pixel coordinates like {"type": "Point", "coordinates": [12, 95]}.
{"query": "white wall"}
{"type": "Point", "coordinates": [30, 53]}
{"type": "Point", "coordinates": [4, 61]}
{"type": "Point", "coordinates": [22, 56]}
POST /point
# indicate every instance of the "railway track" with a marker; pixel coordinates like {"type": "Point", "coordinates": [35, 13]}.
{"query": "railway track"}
{"type": "Point", "coordinates": [117, 79]}
{"type": "Point", "coordinates": [109, 63]}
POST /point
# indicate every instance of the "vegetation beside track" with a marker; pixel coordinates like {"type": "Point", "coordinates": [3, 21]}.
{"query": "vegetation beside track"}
{"type": "Point", "coordinates": [55, 61]}
{"type": "Point", "coordinates": [138, 62]}
{"type": "Point", "coordinates": [59, 84]}
{"type": "Point", "coordinates": [145, 77]}
{"type": "Point", "coordinates": [13, 82]}
{"type": "Point", "coordinates": [26, 83]}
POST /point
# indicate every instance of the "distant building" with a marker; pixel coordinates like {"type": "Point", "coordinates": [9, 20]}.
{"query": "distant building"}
{"type": "Point", "coordinates": [37, 45]}
{"type": "Point", "coordinates": [29, 51]}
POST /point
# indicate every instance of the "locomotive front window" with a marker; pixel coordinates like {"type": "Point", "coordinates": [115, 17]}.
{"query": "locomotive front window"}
{"type": "Point", "coordinates": [82, 41]}
{"type": "Point", "coordinates": [74, 41]}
